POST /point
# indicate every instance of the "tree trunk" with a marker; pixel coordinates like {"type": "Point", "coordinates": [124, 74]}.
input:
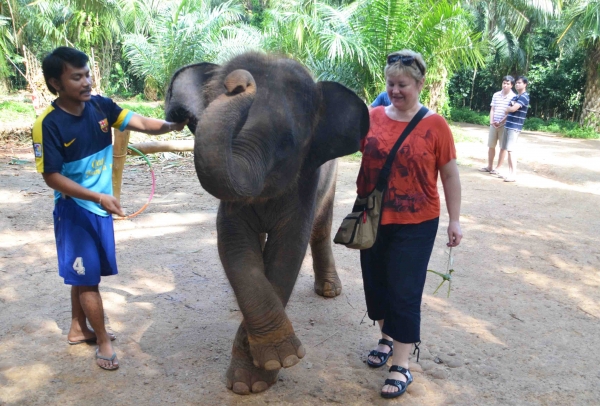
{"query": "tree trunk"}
{"type": "Point", "coordinates": [590, 113]}
{"type": "Point", "coordinates": [437, 91]}
{"type": "Point", "coordinates": [472, 88]}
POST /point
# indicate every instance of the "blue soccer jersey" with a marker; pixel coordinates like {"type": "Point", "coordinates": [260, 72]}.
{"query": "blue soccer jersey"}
{"type": "Point", "coordinates": [80, 147]}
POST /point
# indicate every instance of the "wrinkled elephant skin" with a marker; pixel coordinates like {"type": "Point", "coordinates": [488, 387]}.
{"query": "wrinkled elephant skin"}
{"type": "Point", "coordinates": [266, 139]}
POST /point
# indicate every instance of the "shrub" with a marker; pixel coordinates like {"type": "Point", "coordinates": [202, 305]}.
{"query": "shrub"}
{"type": "Point", "coordinates": [11, 111]}
{"type": "Point", "coordinates": [554, 125]}
{"type": "Point", "coordinates": [465, 115]}
{"type": "Point", "coordinates": [533, 124]}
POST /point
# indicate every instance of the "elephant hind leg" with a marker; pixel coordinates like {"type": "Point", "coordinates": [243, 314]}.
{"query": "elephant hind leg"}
{"type": "Point", "coordinates": [327, 282]}
{"type": "Point", "coordinates": [243, 377]}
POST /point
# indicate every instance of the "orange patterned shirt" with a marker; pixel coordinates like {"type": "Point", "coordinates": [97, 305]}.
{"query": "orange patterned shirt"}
{"type": "Point", "coordinates": [412, 196]}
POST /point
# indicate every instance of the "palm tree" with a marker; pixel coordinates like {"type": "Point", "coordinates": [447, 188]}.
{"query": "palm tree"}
{"type": "Point", "coordinates": [183, 33]}
{"type": "Point", "coordinates": [507, 25]}
{"type": "Point", "coordinates": [582, 27]}
{"type": "Point", "coordinates": [349, 43]}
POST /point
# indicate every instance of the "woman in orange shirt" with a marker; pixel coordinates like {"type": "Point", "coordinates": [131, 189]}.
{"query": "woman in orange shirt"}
{"type": "Point", "coordinates": [394, 269]}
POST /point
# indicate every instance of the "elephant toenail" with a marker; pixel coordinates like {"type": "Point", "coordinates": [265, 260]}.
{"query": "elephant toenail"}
{"type": "Point", "coordinates": [290, 360]}
{"type": "Point", "coordinates": [301, 352]}
{"type": "Point", "coordinates": [241, 388]}
{"type": "Point", "coordinates": [259, 386]}
{"type": "Point", "coordinates": [272, 365]}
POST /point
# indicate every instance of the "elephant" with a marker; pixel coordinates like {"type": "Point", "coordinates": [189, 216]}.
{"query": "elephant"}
{"type": "Point", "coordinates": [266, 139]}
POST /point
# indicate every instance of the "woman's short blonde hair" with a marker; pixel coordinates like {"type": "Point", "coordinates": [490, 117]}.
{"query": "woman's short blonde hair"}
{"type": "Point", "coordinates": [416, 69]}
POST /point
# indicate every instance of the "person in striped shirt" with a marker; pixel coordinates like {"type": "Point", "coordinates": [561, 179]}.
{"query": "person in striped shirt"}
{"type": "Point", "coordinates": [515, 118]}
{"type": "Point", "coordinates": [500, 102]}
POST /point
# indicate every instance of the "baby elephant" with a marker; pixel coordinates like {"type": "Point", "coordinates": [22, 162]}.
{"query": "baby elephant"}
{"type": "Point", "coordinates": [266, 139]}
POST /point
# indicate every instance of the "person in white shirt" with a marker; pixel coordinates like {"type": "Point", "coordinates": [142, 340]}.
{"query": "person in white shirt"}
{"type": "Point", "coordinates": [499, 104]}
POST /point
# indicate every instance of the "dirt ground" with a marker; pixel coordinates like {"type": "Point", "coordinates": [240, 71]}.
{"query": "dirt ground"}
{"type": "Point", "coordinates": [521, 326]}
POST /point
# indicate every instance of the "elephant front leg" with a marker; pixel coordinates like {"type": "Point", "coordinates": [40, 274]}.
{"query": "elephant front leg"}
{"type": "Point", "coordinates": [272, 343]}
{"type": "Point", "coordinates": [243, 377]}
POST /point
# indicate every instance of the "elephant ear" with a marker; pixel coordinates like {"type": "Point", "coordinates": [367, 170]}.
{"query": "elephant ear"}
{"type": "Point", "coordinates": [343, 120]}
{"type": "Point", "coordinates": [185, 96]}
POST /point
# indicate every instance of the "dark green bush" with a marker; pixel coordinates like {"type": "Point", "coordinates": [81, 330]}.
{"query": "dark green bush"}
{"type": "Point", "coordinates": [533, 124]}
{"type": "Point", "coordinates": [465, 115]}
{"type": "Point", "coordinates": [554, 125]}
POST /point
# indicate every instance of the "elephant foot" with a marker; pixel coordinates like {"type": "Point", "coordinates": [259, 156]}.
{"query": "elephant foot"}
{"type": "Point", "coordinates": [328, 286]}
{"type": "Point", "coordinates": [244, 378]}
{"type": "Point", "coordinates": [276, 350]}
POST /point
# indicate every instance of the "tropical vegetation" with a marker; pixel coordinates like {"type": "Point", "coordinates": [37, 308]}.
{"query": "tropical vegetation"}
{"type": "Point", "coordinates": [136, 45]}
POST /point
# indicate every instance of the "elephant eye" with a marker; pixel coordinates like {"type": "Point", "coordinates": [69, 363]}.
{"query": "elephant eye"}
{"type": "Point", "coordinates": [285, 146]}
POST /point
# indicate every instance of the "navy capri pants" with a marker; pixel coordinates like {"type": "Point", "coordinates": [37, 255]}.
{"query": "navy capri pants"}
{"type": "Point", "coordinates": [394, 272]}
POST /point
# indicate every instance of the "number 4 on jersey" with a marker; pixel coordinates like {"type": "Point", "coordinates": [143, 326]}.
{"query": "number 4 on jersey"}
{"type": "Point", "coordinates": [78, 266]}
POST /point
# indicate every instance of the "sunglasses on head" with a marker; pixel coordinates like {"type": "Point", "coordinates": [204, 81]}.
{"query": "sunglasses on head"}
{"type": "Point", "coordinates": [406, 60]}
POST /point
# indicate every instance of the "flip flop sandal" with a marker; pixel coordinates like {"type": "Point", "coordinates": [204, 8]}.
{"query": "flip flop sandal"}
{"type": "Point", "coordinates": [485, 169]}
{"type": "Point", "coordinates": [495, 172]}
{"type": "Point", "coordinates": [383, 357]}
{"type": "Point", "coordinates": [91, 340]}
{"type": "Point", "coordinates": [510, 180]}
{"type": "Point", "coordinates": [111, 359]}
{"type": "Point", "coordinates": [398, 384]}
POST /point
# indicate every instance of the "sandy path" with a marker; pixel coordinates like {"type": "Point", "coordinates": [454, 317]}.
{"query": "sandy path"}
{"type": "Point", "coordinates": [521, 326]}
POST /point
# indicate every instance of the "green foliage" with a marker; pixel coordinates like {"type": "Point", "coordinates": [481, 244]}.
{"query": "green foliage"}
{"type": "Point", "coordinates": [554, 125]}
{"type": "Point", "coordinates": [120, 83]}
{"type": "Point", "coordinates": [183, 33]}
{"type": "Point", "coordinates": [11, 111]}
{"type": "Point", "coordinates": [556, 81]}
{"type": "Point", "coordinates": [144, 109]}
{"type": "Point", "coordinates": [464, 115]}
{"type": "Point", "coordinates": [138, 44]}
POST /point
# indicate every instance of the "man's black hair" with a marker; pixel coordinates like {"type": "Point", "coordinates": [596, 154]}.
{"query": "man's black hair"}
{"type": "Point", "coordinates": [524, 79]}
{"type": "Point", "coordinates": [53, 65]}
{"type": "Point", "coordinates": [509, 78]}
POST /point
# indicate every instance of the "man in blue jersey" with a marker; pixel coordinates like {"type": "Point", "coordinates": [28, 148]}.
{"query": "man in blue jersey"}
{"type": "Point", "coordinates": [514, 120]}
{"type": "Point", "coordinates": [72, 143]}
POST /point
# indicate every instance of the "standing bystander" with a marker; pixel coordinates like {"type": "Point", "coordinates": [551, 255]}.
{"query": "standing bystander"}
{"type": "Point", "coordinates": [500, 102]}
{"type": "Point", "coordinates": [72, 145]}
{"type": "Point", "coordinates": [381, 100]}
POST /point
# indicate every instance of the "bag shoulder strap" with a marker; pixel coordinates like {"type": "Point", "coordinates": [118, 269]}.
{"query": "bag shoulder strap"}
{"type": "Point", "coordinates": [385, 171]}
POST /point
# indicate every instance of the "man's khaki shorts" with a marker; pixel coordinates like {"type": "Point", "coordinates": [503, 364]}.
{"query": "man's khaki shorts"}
{"type": "Point", "coordinates": [509, 139]}
{"type": "Point", "coordinates": [495, 136]}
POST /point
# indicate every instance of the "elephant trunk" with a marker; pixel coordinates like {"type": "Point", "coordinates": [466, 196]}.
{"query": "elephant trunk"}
{"type": "Point", "coordinates": [229, 170]}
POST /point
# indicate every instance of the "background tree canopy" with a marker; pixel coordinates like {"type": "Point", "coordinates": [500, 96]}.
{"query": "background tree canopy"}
{"type": "Point", "coordinates": [468, 45]}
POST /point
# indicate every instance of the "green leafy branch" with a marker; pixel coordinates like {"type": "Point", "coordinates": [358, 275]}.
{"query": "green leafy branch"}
{"type": "Point", "coordinates": [445, 276]}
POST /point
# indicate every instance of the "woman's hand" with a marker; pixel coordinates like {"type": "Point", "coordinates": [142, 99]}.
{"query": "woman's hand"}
{"type": "Point", "coordinates": [454, 234]}
{"type": "Point", "coordinates": [451, 182]}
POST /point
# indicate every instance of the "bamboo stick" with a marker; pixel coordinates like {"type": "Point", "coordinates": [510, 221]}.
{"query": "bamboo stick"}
{"type": "Point", "coordinates": [121, 141]}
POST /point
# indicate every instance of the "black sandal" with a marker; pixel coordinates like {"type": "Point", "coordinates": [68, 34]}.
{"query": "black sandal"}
{"type": "Point", "coordinates": [398, 384]}
{"type": "Point", "coordinates": [381, 355]}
